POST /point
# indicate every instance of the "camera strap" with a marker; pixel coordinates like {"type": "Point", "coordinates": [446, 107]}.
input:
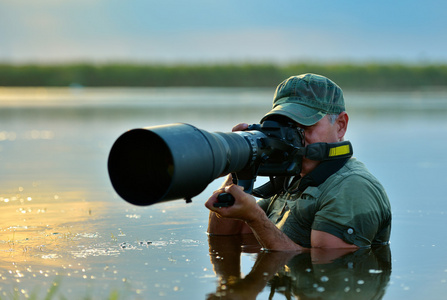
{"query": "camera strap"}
{"type": "Point", "coordinates": [322, 172]}
{"type": "Point", "coordinates": [333, 157]}
{"type": "Point", "coordinates": [329, 151]}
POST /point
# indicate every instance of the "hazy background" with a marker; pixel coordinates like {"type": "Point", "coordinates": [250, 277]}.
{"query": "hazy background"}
{"type": "Point", "coordinates": [49, 31]}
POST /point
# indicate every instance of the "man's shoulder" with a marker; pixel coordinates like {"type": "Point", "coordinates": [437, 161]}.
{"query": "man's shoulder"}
{"type": "Point", "coordinates": [355, 170]}
{"type": "Point", "coordinates": [355, 175]}
{"type": "Point", "coordinates": [353, 165]}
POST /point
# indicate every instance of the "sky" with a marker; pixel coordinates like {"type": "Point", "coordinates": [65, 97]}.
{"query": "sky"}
{"type": "Point", "coordinates": [208, 31]}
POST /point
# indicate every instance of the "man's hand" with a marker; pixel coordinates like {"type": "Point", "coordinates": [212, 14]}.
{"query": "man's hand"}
{"type": "Point", "coordinates": [246, 215]}
{"type": "Point", "coordinates": [244, 207]}
{"type": "Point", "coordinates": [218, 225]}
{"type": "Point", "coordinates": [240, 127]}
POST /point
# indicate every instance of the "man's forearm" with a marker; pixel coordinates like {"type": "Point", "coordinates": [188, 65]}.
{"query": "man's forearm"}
{"type": "Point", "coordinates": [247, 216]}
{"type": "Point", "coordinates": [222, 226]}
{"type": "Point", "coordinates": [270, 237]}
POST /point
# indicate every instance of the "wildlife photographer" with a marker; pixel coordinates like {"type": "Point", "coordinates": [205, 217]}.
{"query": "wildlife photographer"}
{"type": "Point", "coordinates": [331, 204]}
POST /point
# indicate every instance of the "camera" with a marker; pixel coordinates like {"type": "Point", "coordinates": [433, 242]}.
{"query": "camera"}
{"type": "Point", "coordinates": [178, 161]}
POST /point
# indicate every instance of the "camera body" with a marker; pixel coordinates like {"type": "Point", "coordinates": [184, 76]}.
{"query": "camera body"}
{"type": "Point", "coordinates": [282, 148]}
{"type": "Point", "coordinates": [278, 151]}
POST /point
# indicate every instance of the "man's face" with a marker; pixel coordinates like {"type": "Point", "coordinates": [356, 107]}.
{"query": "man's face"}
{"type": "Point", "coordinates": [321, 132]}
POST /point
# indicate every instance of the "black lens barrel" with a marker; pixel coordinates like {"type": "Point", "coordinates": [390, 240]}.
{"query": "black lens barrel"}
{"type": "Point", "coordinates": [168, 162]}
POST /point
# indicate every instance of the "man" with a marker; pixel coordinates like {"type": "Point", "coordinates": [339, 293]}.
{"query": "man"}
{"type": "Point", "coordinates": [348, 209]}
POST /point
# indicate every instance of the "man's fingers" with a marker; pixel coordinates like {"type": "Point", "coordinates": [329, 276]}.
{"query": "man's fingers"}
{"type": "Point", "coordinates": [240, 127]}
{"type": "Point", "coordinates": [234, 189]}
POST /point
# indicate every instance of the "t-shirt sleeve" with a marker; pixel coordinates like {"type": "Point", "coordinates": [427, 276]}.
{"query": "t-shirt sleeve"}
{"type": "Point", "coordinates": [354, 211]}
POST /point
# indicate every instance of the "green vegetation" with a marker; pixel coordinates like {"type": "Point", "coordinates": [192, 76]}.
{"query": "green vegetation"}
{"type": "Point", "coordinates": [352, 76]}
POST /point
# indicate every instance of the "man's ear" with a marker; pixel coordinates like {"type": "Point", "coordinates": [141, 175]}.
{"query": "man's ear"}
{"type": "Point", "coordinates": [342, 123]}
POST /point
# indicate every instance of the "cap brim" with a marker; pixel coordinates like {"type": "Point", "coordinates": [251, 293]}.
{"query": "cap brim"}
{"type": "Point", "coordinates": [301, 114]}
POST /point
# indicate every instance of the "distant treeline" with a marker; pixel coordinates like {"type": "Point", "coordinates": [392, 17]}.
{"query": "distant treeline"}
{"type": "Point", "coordinates": [352, 76]}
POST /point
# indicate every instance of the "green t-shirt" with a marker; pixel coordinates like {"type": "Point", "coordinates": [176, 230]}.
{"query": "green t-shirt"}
{"type": "Point", "coordinates": [351, 204]}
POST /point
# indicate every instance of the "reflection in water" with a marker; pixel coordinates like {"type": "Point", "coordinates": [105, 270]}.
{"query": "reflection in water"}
{"type": "Point", "coordinates": [317, 274]}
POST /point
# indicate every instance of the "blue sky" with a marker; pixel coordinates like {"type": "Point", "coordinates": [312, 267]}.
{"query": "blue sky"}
{"type": "Point", "coordinates": [223, 31]}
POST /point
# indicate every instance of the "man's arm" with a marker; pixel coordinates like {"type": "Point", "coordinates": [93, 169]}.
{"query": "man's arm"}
{"type": "Point", "coordinates": [270, 237]}
{"type": "Point", "coordinates": [321, 239]}
{"type": "Point", "coordinates": [222, 226]}
{"type": "Point", "coordinates": [246, 210]}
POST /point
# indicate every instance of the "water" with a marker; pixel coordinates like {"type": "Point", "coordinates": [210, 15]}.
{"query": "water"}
{"type": "Point", "coordinates": [65, 232]}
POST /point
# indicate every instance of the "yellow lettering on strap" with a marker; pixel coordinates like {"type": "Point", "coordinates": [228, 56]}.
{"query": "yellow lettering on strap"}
{"type": "Point", "coordinates": [340, 150]}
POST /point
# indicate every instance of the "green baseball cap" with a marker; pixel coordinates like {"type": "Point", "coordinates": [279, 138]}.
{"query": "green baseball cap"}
{"type": "Point", "coordinates": [307, 98]}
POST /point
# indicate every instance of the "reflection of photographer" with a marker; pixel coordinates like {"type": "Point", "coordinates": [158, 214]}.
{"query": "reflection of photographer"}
{"type": "Point", "coordinates": [329, 204]}
{"type": "Point", "coordinates": [363, 274]}
{"type": "Point", "coordinates": [316, 274]}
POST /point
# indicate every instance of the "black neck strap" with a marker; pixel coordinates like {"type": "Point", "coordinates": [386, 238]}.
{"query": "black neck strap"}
{"type": "Point", "coordinates": [314, 178]}
{"type": "Point", "coordinates": [329, 151]}
{"type": "Point", "coordinates": [321, 173]}
{"type": "Point", "coordinates": [333, 157]}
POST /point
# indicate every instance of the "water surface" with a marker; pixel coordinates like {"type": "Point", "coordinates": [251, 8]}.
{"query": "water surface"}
{"type": "Point", "coordinates": [63, 229]}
